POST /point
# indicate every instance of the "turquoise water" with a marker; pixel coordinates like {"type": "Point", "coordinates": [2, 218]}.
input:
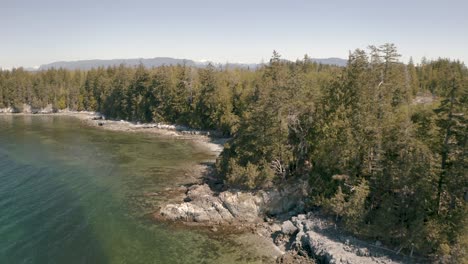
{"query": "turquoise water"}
{"type": "Point", "coordinates": [76, 194]}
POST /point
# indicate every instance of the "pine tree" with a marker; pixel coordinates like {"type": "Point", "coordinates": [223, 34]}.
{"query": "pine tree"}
{"type": "Point", "coordinates": [413, 78]}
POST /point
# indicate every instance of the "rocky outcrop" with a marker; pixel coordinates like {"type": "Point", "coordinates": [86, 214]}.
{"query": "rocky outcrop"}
{"type": "Point", "coordinates": [28, 109]}
{"type": "Point", "coordinates": [7, 110]}
{"type": "Point", "coordinates": [38, 110]}
{"type": "Point", "coordinates": [46, 110]}
{"type": "Point", "coordinates": [304, 238]}
{"type": "Point", "coordinates": [317, 238]}
{"type": "Point", "coordinates": [201, 204]}
{"type": "Point", "coordinates": [244, 206]}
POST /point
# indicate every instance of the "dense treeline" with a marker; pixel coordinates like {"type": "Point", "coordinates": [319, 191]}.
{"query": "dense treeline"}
{"type": "Point", "coordinates": [387, 167]}
{"type": "Point", "coordinates": [384, 165]}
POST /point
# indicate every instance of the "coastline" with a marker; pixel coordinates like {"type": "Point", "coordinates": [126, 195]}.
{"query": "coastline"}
{"type": "Point", "coordinates": [296, 238]}
{"type": "Point", "coordinates": [202, 138]}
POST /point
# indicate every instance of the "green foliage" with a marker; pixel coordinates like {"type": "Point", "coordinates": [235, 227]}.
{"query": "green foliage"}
{"type": "Point", "coordinates": [351, 207]}
{"type": "Point", "coordinates": [250, 176]}
{"type": "Point", "coordinates": [356, 208]}
{"type": "Point", "coordinates": [366, 127]}
{"type": "Point", "coordinates": [337, 204]}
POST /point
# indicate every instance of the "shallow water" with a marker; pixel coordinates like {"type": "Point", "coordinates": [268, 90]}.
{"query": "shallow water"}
{"type": "Point", "coordinates": [75, 194]}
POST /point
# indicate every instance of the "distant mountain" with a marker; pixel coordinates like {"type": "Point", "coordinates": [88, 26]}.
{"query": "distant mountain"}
{"type": "Point", "coordinates": [160, 61]}
{"type": "Point", "coordinates": [332, 61]}
{"type": "Point", "coordinates": [31, 69]}
{"type": "Point", "coordinates": [89, 64]}
{"type": "Point", "coordinates": [229, 65]}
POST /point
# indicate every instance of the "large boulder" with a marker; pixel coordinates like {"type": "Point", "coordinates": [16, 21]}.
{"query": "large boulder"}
{"type": "Point", "coordinates": [288, 228]}
{"type": "Point", "coordinates": [289, 199]}
{"type": "Point", "coordinates": [243, 206]}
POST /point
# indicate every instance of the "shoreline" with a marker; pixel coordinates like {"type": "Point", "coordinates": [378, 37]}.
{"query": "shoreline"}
{"type": "Point", "coordinates": [296, 238]}
{"type": "Point", "coordinates": [201, 138]}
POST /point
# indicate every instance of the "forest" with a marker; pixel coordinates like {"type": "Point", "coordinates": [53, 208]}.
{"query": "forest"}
{"type": "Point", "coordinates": [381, 142]}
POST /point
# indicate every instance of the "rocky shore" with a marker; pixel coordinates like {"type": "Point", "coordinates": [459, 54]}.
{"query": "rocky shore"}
{"type": "Point", "coordinates": [208, 140]}
{"type": "Point", "coordinates": [310, 235]}
{"type": "Point", "coordinates": [203, 205]}
{"type": "Point", "coordinates": [277, 217]}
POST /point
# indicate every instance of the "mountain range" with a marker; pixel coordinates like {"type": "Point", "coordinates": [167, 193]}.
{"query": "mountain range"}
{"type": "Point", "coordinates": [160, 61]}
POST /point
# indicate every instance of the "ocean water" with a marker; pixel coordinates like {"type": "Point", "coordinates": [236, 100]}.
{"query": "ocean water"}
{"type": "Point", "coordinates": [76, 194]}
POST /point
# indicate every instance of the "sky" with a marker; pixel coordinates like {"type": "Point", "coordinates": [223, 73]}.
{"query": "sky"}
{"type": "Point", "coordinates": [38, 32]}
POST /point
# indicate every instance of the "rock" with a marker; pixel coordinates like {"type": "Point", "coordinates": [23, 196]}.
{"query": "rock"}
{"type": "Point", "coordinates": [46, 110]}
{"type": "Point", "coordinates": [298, 240]}
{"type": "Point", "coordinates": [201, 204]}
{"type": "Point", "coordinates": [174, 212]}
{"type": "Point", "coordinates": [300, 226]}
{"type": "Point", "coordinates": [309, 225]}
{"type": "Point", "coordinates": [280, 239]}
{"type": "Point", "coordinates": [378, 243]}
{"type": "Point", "coordinates": [243, 206]}
{"type": "Point", "coordinates": [293, 258]}
{"type": "Point", "coordinates": [307, 235]}
{"type": "Point", "coordinates": [275, 228]}
{"type": "Point", "coordinates": [195, 192]}
{"type": "Point", "coordinates": [288, 228]}
{"type": "Point", "coordinates": [7, 110]}
{"type": "Point", "coordinates": [27, 108]}
{"type": "Point", "coordinates": [363, 252]}
{"type": "Point", "coordinates": [285, 201]}
{"type": "Point", "coordinates": [347, 248]}
{"type": "Point", "coordinates": [328, 249]}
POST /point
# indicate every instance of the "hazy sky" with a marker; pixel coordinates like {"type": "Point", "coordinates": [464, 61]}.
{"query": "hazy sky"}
{"type": "Point", "coordinates": [36, 32]}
